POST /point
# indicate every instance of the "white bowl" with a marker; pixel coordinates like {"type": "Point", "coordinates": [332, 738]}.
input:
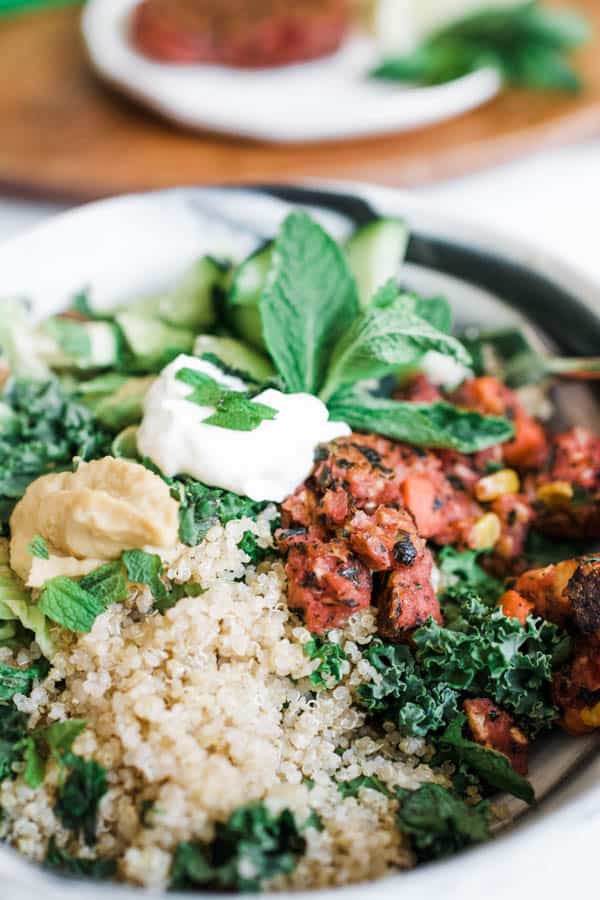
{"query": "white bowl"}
{"type": "Point", "coordinates": [134, 244]}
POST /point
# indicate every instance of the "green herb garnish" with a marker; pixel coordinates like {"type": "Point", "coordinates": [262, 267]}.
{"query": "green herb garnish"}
{"type": "Point", "coordinates": [79, 796]}
{"type": "Point", "coordinates": [353, 787]}
{"type": "Point", "coordinates": [493, 767]}
{"type": "Point", "coordinates": [528, 45]}
{"type": "Point", "coordinates": [38, 548]}
{"type": "Point", "coordinates": [20, 681]}
{"type": "Point", "coordinates": [440, 823]}
{"type": "Point", "coordinates": [60, 860]}
{"type": "Point", "coordinates": [330, 656]}
{"type": "Point", "coordinates": [233, 409]}
{"type": "Point", "coordinates": [251, 847]}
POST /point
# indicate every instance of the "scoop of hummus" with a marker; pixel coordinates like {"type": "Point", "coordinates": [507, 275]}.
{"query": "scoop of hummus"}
{"type": "Point", "coordinates": [90, 517]}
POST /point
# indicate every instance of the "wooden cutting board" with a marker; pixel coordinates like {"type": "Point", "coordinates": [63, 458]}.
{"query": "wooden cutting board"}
{"type": "Point", "coordinates": [63, 134]}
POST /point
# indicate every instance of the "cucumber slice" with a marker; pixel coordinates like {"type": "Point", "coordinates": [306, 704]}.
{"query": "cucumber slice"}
{"type": "Point", "coordinates": [68, 344]}
{"type": "Point", "coordinates": [242, 307]}
{"type": "Point", "coordinates": [191, 303]}
{"type": "Point", "coordinates": [125, 406]}
{"type": "Point", "coordinates": [235, 355]}
{"type": "Point", "coordinates": [375, 253]}
{"type": "Point", "coordinates": [151, 342]}
{"type": "Point", "coordinates": [124, 445]}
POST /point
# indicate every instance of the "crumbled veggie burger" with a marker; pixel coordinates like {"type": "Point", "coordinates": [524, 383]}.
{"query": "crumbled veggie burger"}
{"type": "Point", "coordinates": [290, 577]}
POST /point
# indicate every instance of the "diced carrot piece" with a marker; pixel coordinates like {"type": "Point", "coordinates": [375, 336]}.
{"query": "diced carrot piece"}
{"type": "Point", "coordinates": [418, 493]}
{"type": "Point", "coordinates": [515, 606]}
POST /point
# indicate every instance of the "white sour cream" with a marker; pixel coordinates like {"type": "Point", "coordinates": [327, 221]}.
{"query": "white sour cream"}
{"type": "Point", "coordinates": [265, 464]}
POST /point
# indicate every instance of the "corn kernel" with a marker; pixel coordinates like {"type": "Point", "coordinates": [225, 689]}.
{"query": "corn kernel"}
{"type": "Point", "coordinates": [506, 481]}
{"type": "Point", "coordinates": [555, 493]}
{"type": "Point", "coordinates": [591, 716]}
{"type": "Point", "coordinates": [485, 532]}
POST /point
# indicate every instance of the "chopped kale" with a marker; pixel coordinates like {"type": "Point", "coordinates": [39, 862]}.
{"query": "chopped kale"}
{"type": "Point", "coordinates": [494, 656]}
{"type": "Point", "coordinates": [249, 545]}
{"type": "Point", "coordinates": [203, 506]}
{"type": "Point", "coordinates": [79, 796]}
{"type": "Point", "coordinates": [405, 695]}
{"type": "Point", "coordinates": [13, 732]}
{"type": "Point", "coordinates": [44, 433]}
{"type": "Point", "coordinates": [20, 681]}
{"type": "Point", "coordinates": [352, 788]}
{"type": "Point", "coordinates": [251, 847]}
{"type": "Point", "coordinates": [330, 656]}
{"type": "Point", "coordinates": [463, 569]}
{"type": "Point", "coordinates": [440, 823]}
{"type": "Point", "coordinates": [60, 860]}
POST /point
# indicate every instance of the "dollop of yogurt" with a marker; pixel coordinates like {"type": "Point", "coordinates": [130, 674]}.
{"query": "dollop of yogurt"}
{"type": "Point", "coordinates": [265, 464]}
{"type": "Point", "coordinates": [444, 371]}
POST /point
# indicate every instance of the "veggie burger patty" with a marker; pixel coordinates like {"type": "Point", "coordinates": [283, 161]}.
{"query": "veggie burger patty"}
{"type": "Point", "coordinates": [256, 34]}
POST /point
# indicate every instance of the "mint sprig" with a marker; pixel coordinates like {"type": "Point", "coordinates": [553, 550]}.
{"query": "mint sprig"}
{"type": "Point", "coordinates": [528, 44]}
{"type": "Point", "coordinates": [233, 409]}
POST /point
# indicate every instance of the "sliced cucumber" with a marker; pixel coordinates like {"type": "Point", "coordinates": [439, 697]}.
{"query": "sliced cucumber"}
{"type": "Point", "coordinates": [152, 342]}
{"type": "Point", "coordinates": [124, 445]}
{"type": "Point", "coordinates": [191, 303]}
{"type": "Point", "coordinates": [375, 253]}
{"type": "Point", "coordinates": [235, 355]}
{"type": "Point", "coordinates": [125, 406]}
{"type": "Point", "coordinates": [242, 308]}
{"type": "Point", "coordinates": [69, 344]}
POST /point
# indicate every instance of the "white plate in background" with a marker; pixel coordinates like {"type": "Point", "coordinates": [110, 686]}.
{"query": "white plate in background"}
{"type": "Point", "coordinates": [321, 100]}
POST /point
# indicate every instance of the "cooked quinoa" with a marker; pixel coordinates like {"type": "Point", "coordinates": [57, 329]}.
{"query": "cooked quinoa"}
{"type": "Point", "coordinates": [201, 710]}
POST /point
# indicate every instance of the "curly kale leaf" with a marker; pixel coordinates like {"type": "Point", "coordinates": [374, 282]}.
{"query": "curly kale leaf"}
{"type": "Point", "coordinates": [404, 694]}
{"type": "Point", "coordinates": [464, 573]}
{"type": "Point", "coordinates": [13, 732]}
{"type": "Point", "coordinates": [203, 506]}
{"type": "Point", "coordinates": [494, 656]}
{"type": "Point", "coordinates": [440, 823]}
{"type": "Point", "coordinates": [330, 656]}
{"type": "Point", "coordinates": [251, 847]}
{"type": "Point", "coordinates": [41, 430]}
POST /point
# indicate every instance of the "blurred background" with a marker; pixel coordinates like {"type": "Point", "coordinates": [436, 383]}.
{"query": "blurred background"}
{"type": "Point", "coordinates": [490, 111]}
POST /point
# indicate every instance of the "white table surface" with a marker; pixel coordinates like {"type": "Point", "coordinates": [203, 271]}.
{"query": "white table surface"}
{"type": "Point", "coordinates": [551, 199]}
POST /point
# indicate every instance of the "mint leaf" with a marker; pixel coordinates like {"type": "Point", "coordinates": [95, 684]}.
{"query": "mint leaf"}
{"type": "Point", "coordinates": [70, 605]}
{"type": "Point", "coordinates": [384, 338]}
{"type": "Point", "coordinates": [526, 43]}
{"type": "Point", "coordinates": [146, 568]}
{"type": "Point", "coordinates": [107, 584]}
{"type": "Point", "coordinates": [422, 424]}
{"type": "Point", "coordinates": [207, 391]}
{"type": "Point", "coordinates": [38, 548]}
{"type": "Point", "coordinates": [440, 823]}
{"type": "Point", "coordinates": [233, 409]}
{"type": "Point", "coordinates": [493, 767]}
{"type": "Point", "coordinates": [238, 413]}
{"type": "Point", "coordinates": [309, 301]}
